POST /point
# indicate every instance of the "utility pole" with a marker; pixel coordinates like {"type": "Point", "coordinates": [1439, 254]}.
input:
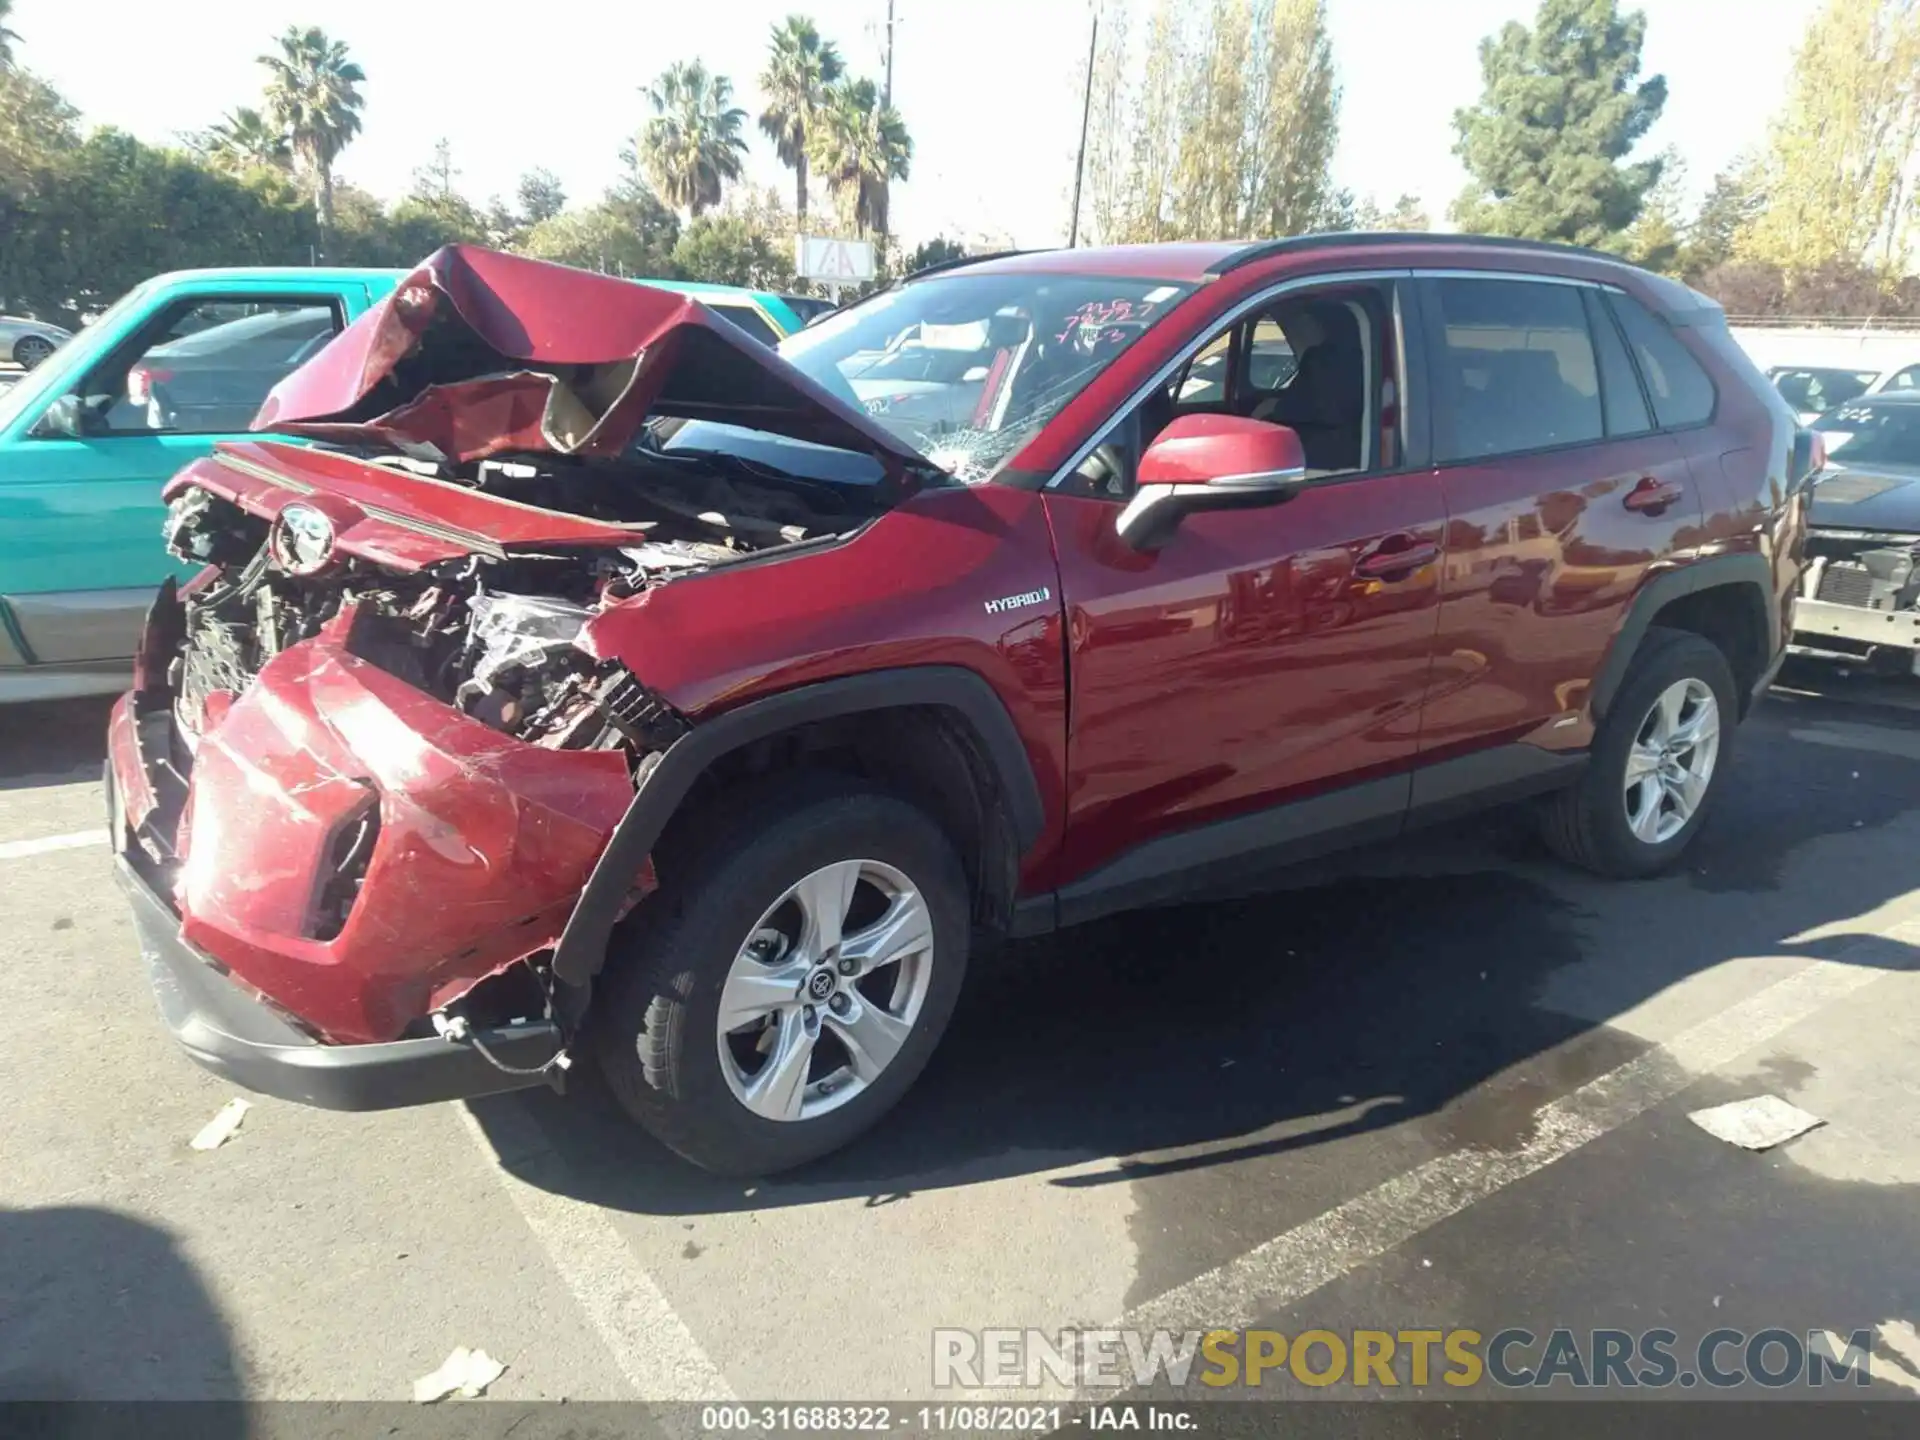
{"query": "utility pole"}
{"type": "Point", "coordinates": [886, 94]}
{"type": "Point", "coordinates": [1086, 110]}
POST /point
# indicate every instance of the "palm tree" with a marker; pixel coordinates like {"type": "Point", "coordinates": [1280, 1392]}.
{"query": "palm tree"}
{"type": "Point", "coordinates": [861, 147]}
{"type": "Point", "coordinates": [801, 72]}
{"type": "Point", "coordinates": [246, 138]}
{"type": "Point", "coordinates": [313, 95]}
{"type": "Point", "coordinates": [693, 144]}
{"type": "Point", "coordinates": [7, 37]}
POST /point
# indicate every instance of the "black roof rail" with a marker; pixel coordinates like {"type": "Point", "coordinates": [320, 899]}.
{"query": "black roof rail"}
{"type": "Point", "coordinates": [935, 269]}
{"type": "Point", "coordinates": [1340, 239]}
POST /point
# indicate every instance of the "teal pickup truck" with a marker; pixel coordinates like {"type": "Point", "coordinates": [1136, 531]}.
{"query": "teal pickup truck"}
{"type": "Point", "coordinates": [88, 438]}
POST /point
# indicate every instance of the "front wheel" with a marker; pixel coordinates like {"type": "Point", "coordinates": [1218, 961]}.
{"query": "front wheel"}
{"type": "Point", "coordinates": [30, 350]}
{"type": "Point", "coordinates": [790, 979]}
{"type": "Point", "coordinates": [1655, 764]}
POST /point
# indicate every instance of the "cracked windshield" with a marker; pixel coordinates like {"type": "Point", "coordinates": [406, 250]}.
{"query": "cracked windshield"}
{"type": "Point", "coordinates": [967, 368]}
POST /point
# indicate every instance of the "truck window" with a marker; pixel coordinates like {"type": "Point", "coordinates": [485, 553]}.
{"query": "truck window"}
{"type": "Point", "coordinates": [204, 366]}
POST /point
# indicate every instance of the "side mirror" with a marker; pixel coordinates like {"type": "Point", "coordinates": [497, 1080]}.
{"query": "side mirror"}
{"type": "Point", "coordinates": [65, 418]}
{"type": "Point", "coordinates": [1210, 462]}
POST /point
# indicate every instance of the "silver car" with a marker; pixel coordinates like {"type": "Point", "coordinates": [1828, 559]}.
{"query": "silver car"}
{"type": "Point", "coordinates": [27, 342]}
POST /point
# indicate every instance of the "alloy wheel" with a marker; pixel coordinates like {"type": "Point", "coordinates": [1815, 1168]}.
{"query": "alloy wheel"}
{"type": "Point", "coordinates": [1670, 763]}
{"type": "Point", "coordinates": [825, 990]}
{"type": "Point", "coordinates": [31, 350]}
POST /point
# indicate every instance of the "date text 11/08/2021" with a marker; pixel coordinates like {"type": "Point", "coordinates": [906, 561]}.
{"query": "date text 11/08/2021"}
{"type": "Point", "coordinates": [962, 1419]}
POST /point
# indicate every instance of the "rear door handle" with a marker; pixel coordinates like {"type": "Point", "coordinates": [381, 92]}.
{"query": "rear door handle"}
{"type": "Point", "coordinates": [1395, 555]}
{"type": "Point", "coordinates": [1650, 496]}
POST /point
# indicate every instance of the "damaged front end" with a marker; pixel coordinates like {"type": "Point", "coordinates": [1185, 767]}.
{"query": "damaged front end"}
{"type": "Point", "coordinates": [1860, 599]}
{"type": "Point", "coordinates": [369, 763]}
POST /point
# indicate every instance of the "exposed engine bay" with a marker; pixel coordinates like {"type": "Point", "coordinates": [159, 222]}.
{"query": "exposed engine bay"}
{"type": "Point", "coordinates": [1879, 572]}
{"type": "Point", "coordinates": [493, 634]}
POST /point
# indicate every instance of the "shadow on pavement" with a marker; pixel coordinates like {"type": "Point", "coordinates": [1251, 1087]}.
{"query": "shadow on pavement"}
{"type": "Point", "coordinates": [98, 1306]}
{"type": "Point", "coordinates": [53, 742]}
{"type": "Point", "coordinates": [1216, 1052]}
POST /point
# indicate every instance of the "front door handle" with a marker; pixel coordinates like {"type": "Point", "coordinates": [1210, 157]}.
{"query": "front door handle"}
{"type": "Point", "coordinates": [1651, 496]}
{"type": "Point", "coordinates": [1395, 555]}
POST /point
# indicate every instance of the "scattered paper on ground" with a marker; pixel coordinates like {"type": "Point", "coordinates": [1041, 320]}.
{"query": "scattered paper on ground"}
{"type": "Point", "coordinates": [1757, 1124]}
{"type": "Point", "coordinates": [465, 1372]}
{"type": "Point", "coordinates": [1903, 1340]}
{"type": "Point", "coordinates": [223, 1127]}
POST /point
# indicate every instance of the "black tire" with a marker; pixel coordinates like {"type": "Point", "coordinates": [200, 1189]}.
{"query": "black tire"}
{"type": "Point", "coordinates": [30, 350]}
{"type": "Point", "coordinates": [1587, 824]}
{"type": "Point", "coordinates": [655, 1021]}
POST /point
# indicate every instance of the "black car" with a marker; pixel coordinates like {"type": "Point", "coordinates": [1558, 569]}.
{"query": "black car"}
{"type": "Point", "coordinates": [1861, 595]}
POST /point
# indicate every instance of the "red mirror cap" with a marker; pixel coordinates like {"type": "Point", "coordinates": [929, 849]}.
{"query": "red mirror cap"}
{"type": "Point", "coordinates": [1196, 449]}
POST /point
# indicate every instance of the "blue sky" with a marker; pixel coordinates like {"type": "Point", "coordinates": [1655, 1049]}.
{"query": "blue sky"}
{"type": "Point", "coordinates": [989, 88]}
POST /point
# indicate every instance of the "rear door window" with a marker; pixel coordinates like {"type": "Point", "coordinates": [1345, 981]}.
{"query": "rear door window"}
{"type": "Point", "coordinates": [1516, 368]}
{"type": "Point", "coordinates": [1682, 393]}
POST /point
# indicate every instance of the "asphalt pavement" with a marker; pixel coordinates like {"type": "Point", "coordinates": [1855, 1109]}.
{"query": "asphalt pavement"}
{"type": "Point", "coordinates": [1444, 1084]}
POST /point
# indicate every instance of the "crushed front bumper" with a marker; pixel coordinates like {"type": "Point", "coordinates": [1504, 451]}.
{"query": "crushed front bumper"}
{"type": "Point", "coordinates": [237, 1036]}
{"type": "Point", "coordinates": [214, 991]}
{"type": "Point", "coordinates": [1818, 623]}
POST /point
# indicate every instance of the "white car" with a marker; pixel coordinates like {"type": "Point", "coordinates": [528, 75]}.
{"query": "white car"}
{"type": "Point", "coordinates": [27, 342]}
{"type": "Point", "coordinates": [1812, 390]}
{"type": "Point", "coordinates": [1896, 382]}
{"type": "Point", "coordinates": [929, 387]}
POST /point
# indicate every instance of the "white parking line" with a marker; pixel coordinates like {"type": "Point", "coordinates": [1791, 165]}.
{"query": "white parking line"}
{"type": "Point", "coordinates": [20, 849]}
{"type": "Point", "coordinates": [1291, 1266]}
{"type": "Point", "coordinates": [653, 1347]}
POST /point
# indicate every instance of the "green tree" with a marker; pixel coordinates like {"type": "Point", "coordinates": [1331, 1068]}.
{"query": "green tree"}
{"type": "Point", "coordinates": [1229, 130]}
{"type": "Point", "coordinates": [313, 95]}
{"type": "Point", "coordinates": [802, 70]}
{"type": "Point", "coordinates": [246, 139]}
{"type": "Point", "coordinates": [1732, 203]}
{"type": "Point", "coordinates": [1210, 178]}
{"type": "Point", "coordinates": [692, 145]}
{"type": "Point", "coordinates": [119, 211]}
{"type": "Point", "coordinates": [8, 38]}
{"type": "Point", "coordinates": [1561, 108]}
{"type": "Point", "coordinates": [1840, 162]}
{"type": "Point", "coordinates": [541, 196]}
{"type": "Point", "coordinates": [37, 134]}
{"type": "Point", "coordinates": [1657, 238]}
{"type": "Point", "coordinates": [640, 209]}
{"type": "Point", "coordinates": [436, 179]}
{"type": "Point", "coordinates": [1154, 147]}
{"type": "Point", "coordinates": [1294, 121]}
{"type": "Point", "coordinates": [729, 249]}
{"type": "Point", "coordinates": [1407, 214]}
{"type": "Point", "coordinates": [937, 251]}
{"type": "Point", "coordinates": [599, 237]}
{"type": "Point", "coordinates": [862, 147]}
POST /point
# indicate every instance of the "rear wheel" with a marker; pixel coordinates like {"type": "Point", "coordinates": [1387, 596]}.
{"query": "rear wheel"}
{"type": "Point", "coordinates": [1655, 761]}
{"type": "Point", "coordinates": [30, 350]}
{"type": "Point", "coordinates": [789, 981]}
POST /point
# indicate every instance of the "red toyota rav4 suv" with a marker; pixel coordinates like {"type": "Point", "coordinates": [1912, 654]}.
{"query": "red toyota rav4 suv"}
{"type": "Point", "coordinates": [597, 678]}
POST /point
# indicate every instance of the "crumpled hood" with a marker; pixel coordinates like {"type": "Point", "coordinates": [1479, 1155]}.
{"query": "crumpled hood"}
{"type": "Point", "coordinates": [477, 353]}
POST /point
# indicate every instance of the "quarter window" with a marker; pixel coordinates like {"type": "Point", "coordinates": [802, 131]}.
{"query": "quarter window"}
{"type": "Point", "coordinates": [1681, 392]}
{"type": "Point", "coordinates": [1517, 370]}
{"type": "Point", "coordinates": [1626, 407]}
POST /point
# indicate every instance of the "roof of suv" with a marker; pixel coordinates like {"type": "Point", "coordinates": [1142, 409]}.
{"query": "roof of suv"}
{"type": "Point", "coordinates": [1198, 261]}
